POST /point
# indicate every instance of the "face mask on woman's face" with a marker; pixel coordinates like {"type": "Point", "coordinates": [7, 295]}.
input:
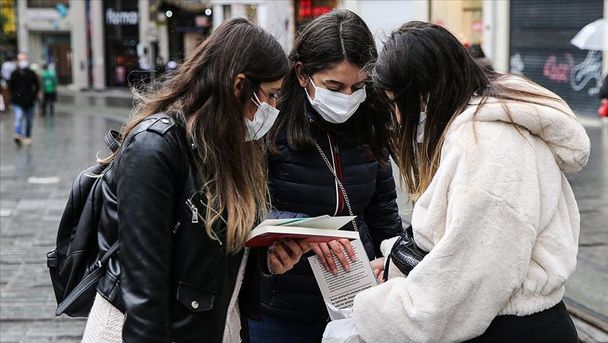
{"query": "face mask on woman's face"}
{"type": "Point", "coordinates": [336, 107]}
{"type": "Point", "coordinates": [263, 119]}
{"type": "Point", "coordinates": [23, 64]}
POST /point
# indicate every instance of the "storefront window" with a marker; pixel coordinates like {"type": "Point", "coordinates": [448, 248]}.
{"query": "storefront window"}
{"type": "Point", "coordinates": [121, 19]}
{"type": "Point", "coordinates": [187, 27]}
{"type": "Point", "coordinates": [57, 52]}
{"type": "Point", "coordinates": [251, 11]}
{"type": "Point", "coordinates": [46, 3]}
{"type": "Point", "coordinates": [307, 10]}
{"type": "Point", "coordinates": [462, 17]}
{"type": "Point", "coordinates": [227, 9]}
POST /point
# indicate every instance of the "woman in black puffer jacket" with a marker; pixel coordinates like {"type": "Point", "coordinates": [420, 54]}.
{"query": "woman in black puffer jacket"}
{"type": "Point", "coordinates": [327, 106]}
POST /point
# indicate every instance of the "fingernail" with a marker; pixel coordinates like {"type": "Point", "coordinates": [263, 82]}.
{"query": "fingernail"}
{"type": "Point", "coordinates": [335, 271]}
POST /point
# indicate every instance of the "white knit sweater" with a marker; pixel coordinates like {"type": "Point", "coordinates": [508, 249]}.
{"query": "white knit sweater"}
{"type": "Point", "coordinates": [500, 221]}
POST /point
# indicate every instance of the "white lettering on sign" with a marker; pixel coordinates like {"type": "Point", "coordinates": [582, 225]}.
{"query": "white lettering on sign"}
{"type": "Point", "coordinates": [121, 18]}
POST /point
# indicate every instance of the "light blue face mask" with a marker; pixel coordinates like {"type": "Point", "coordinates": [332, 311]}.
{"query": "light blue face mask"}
{"type": "Point", "coordinates": [263, 120]}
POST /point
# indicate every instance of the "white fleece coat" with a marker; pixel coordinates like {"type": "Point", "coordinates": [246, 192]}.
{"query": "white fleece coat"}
{"type": "Point", "coordinates": [500, 221]}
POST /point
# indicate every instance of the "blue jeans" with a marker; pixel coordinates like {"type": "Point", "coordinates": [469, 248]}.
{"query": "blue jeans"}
{"type": "Point", "coordinates": [22, 113]}
{"type": "Point", "coordinates": [275, 330]}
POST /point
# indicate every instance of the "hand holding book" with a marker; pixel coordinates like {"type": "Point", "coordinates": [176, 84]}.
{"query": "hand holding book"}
{"type": "Point", "coordinates": [285, 253]}
{"type": "Point", "coordinates": [341, 248]}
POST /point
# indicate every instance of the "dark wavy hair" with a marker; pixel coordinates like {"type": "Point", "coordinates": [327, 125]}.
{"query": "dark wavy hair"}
{"type": "Point", "coordinates": [201, 95]}
{"type": "Point", "coordinates": [330, 39]}
{"type": "Point", "coordinates": [422, 60]}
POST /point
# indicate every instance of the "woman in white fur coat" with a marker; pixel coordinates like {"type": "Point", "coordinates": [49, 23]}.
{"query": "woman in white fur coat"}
{"type": "Point", "coordinates": [484, 157]}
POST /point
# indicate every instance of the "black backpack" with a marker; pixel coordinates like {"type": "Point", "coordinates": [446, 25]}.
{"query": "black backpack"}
{"type": "Point", "coordinates": [75, 265]}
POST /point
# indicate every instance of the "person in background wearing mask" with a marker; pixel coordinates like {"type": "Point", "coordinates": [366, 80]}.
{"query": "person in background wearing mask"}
{"type": "Point", "coordinates": [24, 87]}
{"type": "Point", "coordinates": [328, 157]}
{"type": "Point", "coordinates": [7, 68]}
{"type": "Point", "coordinates": [49, 89]}
{"type": "Point", "coordinates": [183, 194]}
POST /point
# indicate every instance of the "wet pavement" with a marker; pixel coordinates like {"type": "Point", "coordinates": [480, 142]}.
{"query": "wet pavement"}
{"type": "Point", "coordinates": [35, 182]}
{"type": "Point", "coordinates": [587, 290]}
{"type": "Point", "coordinates": [34, 185]}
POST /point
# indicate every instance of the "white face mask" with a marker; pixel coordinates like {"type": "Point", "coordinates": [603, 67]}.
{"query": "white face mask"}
{"type": "Point", "coordinates": [23, 64]}
{"type": "Point", "coordinates": [262, 121]}
{"type": "Point", "coordinates": [336, 107]}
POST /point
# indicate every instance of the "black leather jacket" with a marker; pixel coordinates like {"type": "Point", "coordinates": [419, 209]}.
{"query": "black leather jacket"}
{"type": "Point", "coordinates": [173, 281]}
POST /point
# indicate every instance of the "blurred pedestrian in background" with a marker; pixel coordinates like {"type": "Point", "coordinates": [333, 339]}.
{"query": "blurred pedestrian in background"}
{"type": "Point", "coordinates": [7, 68]}
{"type": "Point", "coordinates": [49, 89]}
{"type": "Point", "coordinates": [24, 87]}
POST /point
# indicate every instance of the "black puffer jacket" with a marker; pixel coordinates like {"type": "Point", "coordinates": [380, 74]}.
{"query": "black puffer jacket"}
{"type": "Point", "coordinates": [301, 182]}
{"type": "Point", "coordinates": [172, 280]}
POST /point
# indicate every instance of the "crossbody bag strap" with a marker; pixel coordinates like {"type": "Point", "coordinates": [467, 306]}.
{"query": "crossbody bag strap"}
{"type": "Point", "coordinates": [333, 172]}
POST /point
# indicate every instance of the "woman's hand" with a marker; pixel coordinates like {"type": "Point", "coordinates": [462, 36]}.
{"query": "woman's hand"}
{"type": "Point", "coordinates": [378, 268]}
{"type": "Point", "coordinates": [284, 254]}
{"type": "Point", "coordinates": [338, 247]}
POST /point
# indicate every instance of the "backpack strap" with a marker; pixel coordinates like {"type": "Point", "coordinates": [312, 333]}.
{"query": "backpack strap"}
{"type": "Point", "coordinates": [113, 140]}
{"type": "Point", "coordinates": [89, 281]}
{"type": "Point", "coordinates": [102, 261]}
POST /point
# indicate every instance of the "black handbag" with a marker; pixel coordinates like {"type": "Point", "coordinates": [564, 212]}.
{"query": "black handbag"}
{"type": "Point", "coordinates": [405, 254]}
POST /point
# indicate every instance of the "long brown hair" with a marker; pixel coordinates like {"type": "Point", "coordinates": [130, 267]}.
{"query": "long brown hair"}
{"type": "Point", "coordinates": [201, 96]}
{"type": "Point", "coordinates": [422, 61]}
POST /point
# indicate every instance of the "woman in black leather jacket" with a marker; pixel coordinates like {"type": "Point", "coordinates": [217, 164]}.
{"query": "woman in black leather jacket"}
{"type": "Point", "coordinates": [183, 193]}
{"type": "Point", "coordinates": [328, 106]}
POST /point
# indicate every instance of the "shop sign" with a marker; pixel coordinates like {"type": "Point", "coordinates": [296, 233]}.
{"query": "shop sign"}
{"type": "Point", "coordinates": [121, 17]}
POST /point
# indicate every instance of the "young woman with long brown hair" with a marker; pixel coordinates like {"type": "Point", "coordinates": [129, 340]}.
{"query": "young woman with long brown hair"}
{"type": "Point", "coordinates": [328, 156]}
{"type": "Point", "coordinates": [484, 157]}
{"type": "Point", "coordinates": [183, 193]}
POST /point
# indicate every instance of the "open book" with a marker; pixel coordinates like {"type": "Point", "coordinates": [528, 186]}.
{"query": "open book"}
{"type": "Point", "coordinates": [317, 229]}
{"type": "Point", "coordinates": [340, 290]}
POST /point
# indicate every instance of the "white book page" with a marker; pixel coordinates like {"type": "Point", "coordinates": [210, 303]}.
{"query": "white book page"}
{"type": "Point", "coordinates": [326, 222]}
{"type": "Point", "coordinates": [340, 290]}
{"type": "Point", "coordinates": [321, 222]}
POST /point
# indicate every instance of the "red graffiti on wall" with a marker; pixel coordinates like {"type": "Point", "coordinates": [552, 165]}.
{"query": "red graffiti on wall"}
{"type": "Point", "coordinates": [558, 71]}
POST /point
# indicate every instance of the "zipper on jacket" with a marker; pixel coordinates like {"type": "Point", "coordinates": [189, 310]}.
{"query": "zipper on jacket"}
{"type": "Point", "coordinates": [176, 227]}
{"type": "Point", "coordinates": [197, 217]}
{"type": "Point", "coordinates": [194, 209]}
{"type": "Point", "coordinates": [335, 154]}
